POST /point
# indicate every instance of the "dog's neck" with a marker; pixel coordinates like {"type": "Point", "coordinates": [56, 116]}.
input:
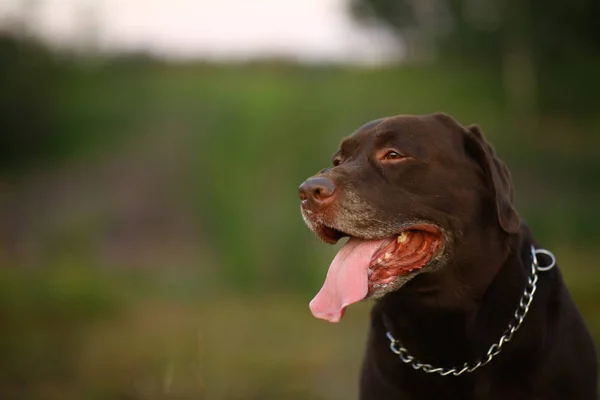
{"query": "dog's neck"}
{"type": "Point", "coordinates": [462, 309]}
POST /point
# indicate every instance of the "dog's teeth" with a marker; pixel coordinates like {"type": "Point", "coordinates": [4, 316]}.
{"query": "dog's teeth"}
{"type": "Point", "coordinates": [387, 256]}
{"type": "Point", "coordinates": [403, 237]}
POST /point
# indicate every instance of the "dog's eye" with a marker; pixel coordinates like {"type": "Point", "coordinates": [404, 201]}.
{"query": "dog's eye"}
{"type": "Point", "coordinates": [336, 162]}
{"type": "Point", "coordinates": [392, 155]}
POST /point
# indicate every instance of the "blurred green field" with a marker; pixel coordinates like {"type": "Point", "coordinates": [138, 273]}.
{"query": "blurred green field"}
{"type": "Point", "coordinates": [159, 253]}
{"type": "Point", "coordinates": [74, 334]}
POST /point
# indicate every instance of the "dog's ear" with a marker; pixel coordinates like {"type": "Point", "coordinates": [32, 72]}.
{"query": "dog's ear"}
{"type": "Point", "coordinates": [497, 176]}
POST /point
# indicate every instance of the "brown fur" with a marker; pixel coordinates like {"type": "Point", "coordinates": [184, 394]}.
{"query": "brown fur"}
{"type": "Point", "coordinates": [448, 315]}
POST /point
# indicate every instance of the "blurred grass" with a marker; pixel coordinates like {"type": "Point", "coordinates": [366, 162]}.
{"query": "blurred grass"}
{"type": "Point", "coordinates": [81, 333]}
{"type": "Point", "coordinates": [161, 255]}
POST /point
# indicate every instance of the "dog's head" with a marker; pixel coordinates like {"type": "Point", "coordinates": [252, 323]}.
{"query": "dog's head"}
{"type": "Point", "coordinates": [405, 190]}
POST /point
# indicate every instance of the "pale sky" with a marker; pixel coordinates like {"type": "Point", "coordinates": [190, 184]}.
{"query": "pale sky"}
{"type": "Point", "coordinates": [222, 29]}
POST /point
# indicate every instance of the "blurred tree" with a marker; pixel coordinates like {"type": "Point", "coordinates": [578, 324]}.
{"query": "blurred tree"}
{"type": "Point", "coordinates": [34, 78]}
{"type": "Point", "coordinates": [481, 29]}
{"type": "Point", "coordinates": [27, 71]}
{"type": "Point", "coordinates": [532, 42]}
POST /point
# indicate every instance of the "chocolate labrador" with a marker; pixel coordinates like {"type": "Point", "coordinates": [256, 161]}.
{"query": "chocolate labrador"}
{"type": "Point", "coordinates": [466, 304]}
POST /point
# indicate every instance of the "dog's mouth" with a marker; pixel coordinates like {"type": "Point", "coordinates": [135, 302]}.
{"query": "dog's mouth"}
{"type": "Point", "coordinates": [369, 268]}
{"type": "Point", "coordinates": [328, 234]}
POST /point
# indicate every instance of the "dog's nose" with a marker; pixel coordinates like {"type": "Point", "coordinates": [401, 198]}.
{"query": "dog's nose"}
{"type": "Point", "coordinates": [318, 189]}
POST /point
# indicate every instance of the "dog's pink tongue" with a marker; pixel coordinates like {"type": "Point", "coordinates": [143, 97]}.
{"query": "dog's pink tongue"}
{"type": "Point", "coordinates": [347, 280]}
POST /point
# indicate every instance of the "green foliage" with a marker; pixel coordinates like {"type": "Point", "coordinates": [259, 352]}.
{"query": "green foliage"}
{"type": "Point", "coordinates": [478, 30]}
{"type": "Point", "coordinates": [46, 112]}
{"type": "Point", "coordinates": [45, 314]}
{"type": "Point", "coordinates": [253, 134]}
{"type": "Point", "coordinates": [28, 87]}
{"type": "Point", "coordinates": [542, 46]}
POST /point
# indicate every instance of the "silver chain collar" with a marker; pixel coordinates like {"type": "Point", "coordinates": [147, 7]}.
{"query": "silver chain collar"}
{"type": "Point", "coordinates": [506, 337]}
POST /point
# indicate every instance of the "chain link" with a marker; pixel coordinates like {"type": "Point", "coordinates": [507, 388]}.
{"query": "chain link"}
{"type": "Point", "coordinates": [496, 348]}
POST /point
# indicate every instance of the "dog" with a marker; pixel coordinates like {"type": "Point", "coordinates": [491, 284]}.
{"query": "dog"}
{"type": "Point", "coordinates": [466, 304]}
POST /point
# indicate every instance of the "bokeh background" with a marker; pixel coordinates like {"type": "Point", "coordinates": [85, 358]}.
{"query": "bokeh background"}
{"type": "Point", "coordinates": [151, 245]}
